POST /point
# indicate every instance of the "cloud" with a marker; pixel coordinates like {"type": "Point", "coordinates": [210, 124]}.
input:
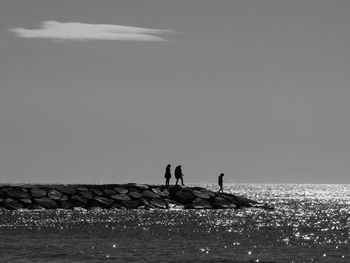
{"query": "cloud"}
{"type": "Point", "coordinates": [84, 32]}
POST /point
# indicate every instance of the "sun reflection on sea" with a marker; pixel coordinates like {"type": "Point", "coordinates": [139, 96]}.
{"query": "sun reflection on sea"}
{"type": "Point", "coordinates": [309, 223]}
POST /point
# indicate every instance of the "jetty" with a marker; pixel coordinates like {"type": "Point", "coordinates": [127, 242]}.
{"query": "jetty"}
{"type": "Point", "coordinates": [118, 196]}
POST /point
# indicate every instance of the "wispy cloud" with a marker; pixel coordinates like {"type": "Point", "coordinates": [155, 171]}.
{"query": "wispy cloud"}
{"type": "Point", "coordinates": [83, 32]}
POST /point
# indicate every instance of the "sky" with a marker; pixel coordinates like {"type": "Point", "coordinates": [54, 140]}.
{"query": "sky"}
{"type": "Point", "coordinates": [112, 91]}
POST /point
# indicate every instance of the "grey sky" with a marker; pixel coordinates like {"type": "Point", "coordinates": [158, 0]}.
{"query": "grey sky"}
{"type": "Point", "coordinates": [258, 90]}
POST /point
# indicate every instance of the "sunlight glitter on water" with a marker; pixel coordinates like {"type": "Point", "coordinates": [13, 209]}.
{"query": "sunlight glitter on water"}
{"type": "Point", "coordinates": [305, 228]}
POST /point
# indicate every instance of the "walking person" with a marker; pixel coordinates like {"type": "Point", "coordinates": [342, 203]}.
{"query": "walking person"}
{"type": "Point", "coordinates": [178, 175]}
{"type": "Point", "coordinates": [220, 182]}
{"type": "Point", "coordinates": [167, 175]}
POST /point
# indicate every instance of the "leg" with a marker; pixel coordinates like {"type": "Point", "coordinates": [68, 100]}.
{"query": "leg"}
{"type": "Point", "coordinates": [182, 181]}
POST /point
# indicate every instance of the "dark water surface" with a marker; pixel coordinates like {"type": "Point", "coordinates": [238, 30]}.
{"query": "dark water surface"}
{"type": "Point", "coordinates": [311, 223]}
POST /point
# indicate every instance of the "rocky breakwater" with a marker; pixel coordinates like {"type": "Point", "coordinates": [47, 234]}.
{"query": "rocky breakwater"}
{"type": "Point", "coordinates": [126, 196]}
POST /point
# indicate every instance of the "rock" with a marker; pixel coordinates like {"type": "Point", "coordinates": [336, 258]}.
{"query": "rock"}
{"type": "Point", "coordinates": [144, 201]}
{"type": "Point", "coordinates": [35, 207]}
{"type": "Point", "coordinates": [54, 194]}
{"type": "Point", "coordinates": [1, 200]}
{"type": "Point", "coordinates": [12, 204]}
{"type": "Point", "coordinates": [46, 202]}
{"type": "Point", "coordinates": [117, 206]}
{"type": "Point", "coordinates": [37, 192]}
{"type": "Point", "coordinates": [173, 190]}
{"type": "Point", "coordinates": [130, 203]}
{"type": "Point", "coordinates": [164, 193]}
{"type": "Point", "coordinates": [184, 197]}
{"type": "Point", "coordinates": [110, 192]}
{"type": "Point", "coordinates": [200, 203]}
{"type": "Point", "coordinates": [82, 188]}
{"type": "Point", "coordinates": [78, 201]}
{"type": "Point", "coordinates": [239, 200]}
{"type": "Point", "coordinates": [66, 205]}
{"type": "Point", "coordinates": [135, 195]}
{"type": "Point", "coordinates": [140, 186]}
{"type": "Point", "coordinates": [17, 194]}
{"type": "Point", "coordinates": [121, 190]}
{"type": "Point", "coordinates": [201, 194]}
{"type": "Point", "coordinates": [158, 203]}
{"type": "Point", "coordinates": [64, 198]}
{"type": "Point", "coordinates": [105, 202]}
{"type": "Point", "coordinates": [96, 192]}
{"type": "Point", "coordinates": [67, 190]}
{"type": "Point", "coordinates": [223, 203]}
{"type": "Point", "coordinates": [149, 194]}
{"type": "Point", "coordinates": [121, 197]}
{"type": "Point", "coordinates": [86, 194]}
{"type": "Point", "coordinates": [26, 201]}
{"type": "Point", "coordinates": [210, 193]}
{"type": "Point", "coordinates": [173, 206]}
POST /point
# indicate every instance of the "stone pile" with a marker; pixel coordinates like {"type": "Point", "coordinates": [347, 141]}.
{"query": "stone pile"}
{"type": "Point", "coordinates": [127, 196]}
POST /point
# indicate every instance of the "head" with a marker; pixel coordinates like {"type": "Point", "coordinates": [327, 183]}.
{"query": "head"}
{"type": "Point", "coordinates": [221, 175]}
{"type": "Point", "coordinates": [168, 166]}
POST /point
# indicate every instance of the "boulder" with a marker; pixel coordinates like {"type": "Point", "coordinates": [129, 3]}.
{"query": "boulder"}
{"type": "Point", "coordinates": [223, 203]}
{"type": "Point", "coordinates": [37, 192]}
{"type": "Point", "coordinates": [105, 202]}
{"type": "Point", "coordinates": [17, 194]}
{"type": "Point", "coordinates": [54, 194]}
{"type": "Point", "coordinates": [78, 201]}
{"type": "Point", "coordinates": [35, 207]}
{"type": "Point", "coordinates": [117, 206]}
{"type": "Point", "coordinates": [86, 194]}
{"type": "Point", "coordinates": [164, 193]}
{"type": "Point", "coordinates": [135, 195]}
{"type": "Point", "coordinates": [149, 194]}
{"type": "Point", "coordinates": [96, 192]}
{"type": "Point", "coordinates": [46, 202]}
{"type": "Point", "coordinates": [173, 190]}
{"type": "Point", "coordinates": [130, 203]}
{"type": "Point", "coordinates": [184, 197]}
{"type": "Point", "coordinates": [81, 188]}
{"type": "Point", "coordinates": [67, 190]}
{"type": "Point", "coordinates": [210, 193]}
{"type": "Point", "coordinates": [200, 203]}
{"type": "Point", "coordinates": [158, 203]}
{"type": "Point", "coordinates": [66, 205]}
{"type": "Point", "coordinates": [121, 190]}
{"type": "Point", "coordinates": [121, 197]}
{"type": "Point", "coordinates": [140, 186]}
{"type": "Point", "coordinates": [239, 200]}
{"type": "Point", "coordinates": [173, 206]}
{"type": "Point", "coordinates": [64, 198]}
{"type": "Point", "coordinates": [26, 201]}
{"type": "Point", "coordinates": [110, 192]}
{"type": "Point", "coordinates": [144, 201]}
{"type": "Point", "coordinates": [12, 204]}
{"type": "Point", "coordinates": [201, 194]}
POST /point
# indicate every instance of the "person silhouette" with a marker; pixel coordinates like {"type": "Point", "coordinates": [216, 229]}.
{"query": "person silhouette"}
{"type": "Point", "coordinates": [220, 182]}
{"type": "Point", "coordinates": [167, 175]}
{"type": "Point", "coordinates": [178, 175]}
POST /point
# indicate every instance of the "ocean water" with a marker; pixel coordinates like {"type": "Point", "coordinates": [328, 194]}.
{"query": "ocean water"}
{"type": "Point", "coordinates": [310, 223]}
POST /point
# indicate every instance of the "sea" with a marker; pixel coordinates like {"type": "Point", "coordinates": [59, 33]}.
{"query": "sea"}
{"type": "Point", "coordinates": [310, 223]}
